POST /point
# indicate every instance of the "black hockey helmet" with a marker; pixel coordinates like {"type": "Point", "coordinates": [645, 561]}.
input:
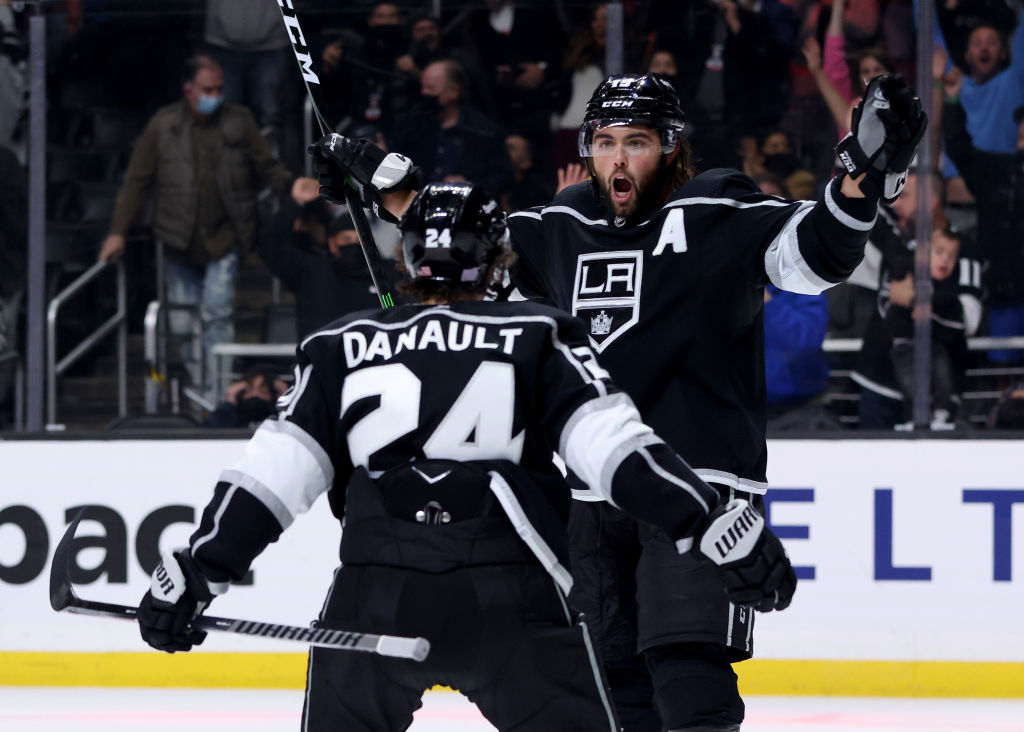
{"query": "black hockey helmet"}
{"type": "Point", "coordinates": [452, 232]}
{"type": "Point", "coordinates": [647, 100]}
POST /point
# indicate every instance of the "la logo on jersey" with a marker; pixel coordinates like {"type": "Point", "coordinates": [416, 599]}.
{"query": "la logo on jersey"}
{"type": "Point", "coordinates": [606, 294]}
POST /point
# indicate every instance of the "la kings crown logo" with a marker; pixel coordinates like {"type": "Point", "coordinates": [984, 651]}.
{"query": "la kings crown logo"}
{"type": "Point", "coordinates": [606, 294]}
{"type": "Point", "coordinates": [601, 324]}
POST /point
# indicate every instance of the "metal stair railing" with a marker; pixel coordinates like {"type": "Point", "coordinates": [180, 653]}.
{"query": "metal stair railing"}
{"type": "Point", "coordinates": [157, 391]}
{"type": "Point", "coordinates": [839, 378]}
{"type": "Point", "coordinates": [55, 368]}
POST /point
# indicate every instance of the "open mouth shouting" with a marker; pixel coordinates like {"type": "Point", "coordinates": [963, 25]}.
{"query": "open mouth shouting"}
{"type": "Point", "coordinates": [621, 189]}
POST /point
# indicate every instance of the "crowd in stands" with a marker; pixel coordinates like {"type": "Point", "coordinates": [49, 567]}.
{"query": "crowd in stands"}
{"type": "Point", "coordinates": [494, 91]}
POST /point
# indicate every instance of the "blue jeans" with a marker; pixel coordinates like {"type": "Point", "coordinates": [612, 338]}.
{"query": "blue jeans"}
{"type": "Point", "coordinates": [212, 289]}
{"type": "Point", "coordinates": [252, 78]}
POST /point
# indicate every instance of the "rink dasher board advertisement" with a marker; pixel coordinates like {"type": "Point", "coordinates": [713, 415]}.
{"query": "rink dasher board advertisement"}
{"type": "Point", "coordinates": [909, 551]}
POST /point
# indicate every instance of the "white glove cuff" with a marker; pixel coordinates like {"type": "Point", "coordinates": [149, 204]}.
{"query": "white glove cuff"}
{"type": "Point", "coordinates": [168, 583]}
{"type": "Point", "coordinates": [733, 534]}
{"type": "Point", "coordinates": [392, 170]}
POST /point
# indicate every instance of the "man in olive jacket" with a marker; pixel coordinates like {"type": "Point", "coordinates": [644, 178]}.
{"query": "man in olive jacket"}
{"type": "Point", "coordinates": [204, 163]}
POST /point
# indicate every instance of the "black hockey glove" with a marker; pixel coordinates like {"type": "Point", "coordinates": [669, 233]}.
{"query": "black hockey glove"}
{"type": "Point", "coordinates": [340, 160]}
{"type": "Point", "coordinates": [750, 558]}
{"type": "Point", "coordinates": [887, 126]}
{"type": "Point", "coordinates": [178, 594]}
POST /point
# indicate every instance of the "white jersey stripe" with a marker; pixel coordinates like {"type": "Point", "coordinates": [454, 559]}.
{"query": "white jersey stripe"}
{"type": "Point", "coordinates": [530, 536]}
{"type": "Point", "coordinates": [284, 459]}
{"type": "Point", "coordinates": [693, 201]}
{"type": "Point", "coordinates": [844, 218]}
{"type": "Point", "coordinates": [972, 313]}
{"type": "Point", "coordinates": [263, 494]}
{"type": "Point", "coordinates": [526, 215]}
{"type": "Point", "coordinates": [664, 474]}
{"type": "Point", "coordinates": [731, 480]}
{"type": "Point", "coordinates": [875, 386]}
{"type": "Point", "coordinates": [609, 427]}
{"type": "Point", "coordinates": [217, 516]}
{"type": "Point", "coordinates": [785, 263]}
{"type": "Point", "coordinates": [598, 680]}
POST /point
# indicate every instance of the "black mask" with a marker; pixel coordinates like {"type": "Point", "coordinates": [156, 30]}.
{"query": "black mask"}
{"type": "Point", "coordinates": [430, 104]}
{"type": "Point", "coordinates": [781, 164]}
{"type": "Point", "coordinates": [254, 409]}
{"type": "Point", "coordinates": [386, 31]}
{"type": "Point", "coordinates": [350, 260]}
{"type": "Point", "coordinates": [421, 54]}
{"type": "Point", "coordinates": [304, 241]}
{"type": "Point", "coordinates": [385, 39]}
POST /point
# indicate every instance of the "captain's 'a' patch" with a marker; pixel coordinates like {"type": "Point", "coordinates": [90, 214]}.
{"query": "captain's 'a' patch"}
{"type": "Point", "coordinates": [606, 294]}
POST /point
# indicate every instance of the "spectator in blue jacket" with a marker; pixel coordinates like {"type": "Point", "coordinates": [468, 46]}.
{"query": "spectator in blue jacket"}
{"type": "Point", "coordinates": [796, 372]}
{"type": "Point", "coordinates": [993, 86]}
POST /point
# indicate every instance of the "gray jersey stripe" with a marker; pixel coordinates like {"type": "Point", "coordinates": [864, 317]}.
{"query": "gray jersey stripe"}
{"type": "Point", "coordinates": [530, 536]}
{"type": "Point", "coordinates": [674, 480]}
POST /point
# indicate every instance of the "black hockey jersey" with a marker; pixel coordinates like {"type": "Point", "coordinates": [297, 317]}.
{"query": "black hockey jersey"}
{"type": "Point", "coordinates": [673, 305]}
{"type": "Point", "coordinates": [501, 385]}
{"type": "Point", "coordinates": [956, 314]}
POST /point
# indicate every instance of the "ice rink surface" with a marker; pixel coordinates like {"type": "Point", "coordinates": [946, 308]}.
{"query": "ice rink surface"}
{"type": "Point", "coordinates": [40, 709]}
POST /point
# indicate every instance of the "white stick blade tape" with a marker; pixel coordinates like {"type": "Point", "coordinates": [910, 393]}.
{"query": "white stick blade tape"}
{"type": "Point", "coordinates": [414, 648]}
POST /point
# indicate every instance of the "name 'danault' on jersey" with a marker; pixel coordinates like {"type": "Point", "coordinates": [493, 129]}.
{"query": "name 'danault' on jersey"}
{"type": "Point", "coordinates": [606, 294]}
{"type": "Point", "coordinates": [432, 334]}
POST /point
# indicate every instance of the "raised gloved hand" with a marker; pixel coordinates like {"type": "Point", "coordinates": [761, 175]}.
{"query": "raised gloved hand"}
{"type": "Point", "coordinates": [178, 594]}
{"type": "Point", "coordinates": [750, 558]}
{"type": "Point", "coordinates": [340, 160]}
{"type": "Point", "coordinates": [887, 126]}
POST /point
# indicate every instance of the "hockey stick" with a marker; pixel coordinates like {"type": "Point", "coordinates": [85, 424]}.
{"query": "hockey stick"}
{"type": "Point", "coordinates": [355, 207]}
{"type": "Point", "coordinates": [63, 598]}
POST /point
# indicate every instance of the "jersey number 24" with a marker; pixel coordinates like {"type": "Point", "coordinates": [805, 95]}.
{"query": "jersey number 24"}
{"type": "Point", "coordinates": [477, 426]}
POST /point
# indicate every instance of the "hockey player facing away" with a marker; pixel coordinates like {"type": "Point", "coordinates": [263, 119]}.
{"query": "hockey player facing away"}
{"type": "Point", "coordinates": [667, 271]}
{"type": "Point", "coordinates": [431, 429]}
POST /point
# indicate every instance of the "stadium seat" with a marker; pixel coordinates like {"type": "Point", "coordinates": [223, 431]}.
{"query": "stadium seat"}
{"type": "Point", "coordinates": [70, 165]}
{"type": "Point", "coordinates": [280, 325]}
{"type": "Point", "coordinates": [106, 129]}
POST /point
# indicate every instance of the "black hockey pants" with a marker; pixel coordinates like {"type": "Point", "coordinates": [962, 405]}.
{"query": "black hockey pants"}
{"type": "Point", "coordinates": [636, 592]}
{"type": "Point", "coordinates": [499, 634]}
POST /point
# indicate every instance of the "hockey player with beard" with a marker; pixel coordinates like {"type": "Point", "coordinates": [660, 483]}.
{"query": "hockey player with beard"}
{"type": "Point", "coordinates": [431, 427]}
{"type": "Point", "coordinates": [667, 271]}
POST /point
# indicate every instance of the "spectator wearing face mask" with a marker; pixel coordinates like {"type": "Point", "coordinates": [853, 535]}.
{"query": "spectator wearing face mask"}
{"type": "Point", "coordinates": [424, 45]}
{"type": "Point", "coordinates": [447, 138]}
{"type": "Point", "coordinates": [317, 256]}
{"type": "Point", "coordinates": [775, 156]}
{"type": "Point", "coordinates": [203, 162]}
{"type": "Point", "coordinates": [249, 400]}
{"type": "Point", "coordinates": [358, 78]}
